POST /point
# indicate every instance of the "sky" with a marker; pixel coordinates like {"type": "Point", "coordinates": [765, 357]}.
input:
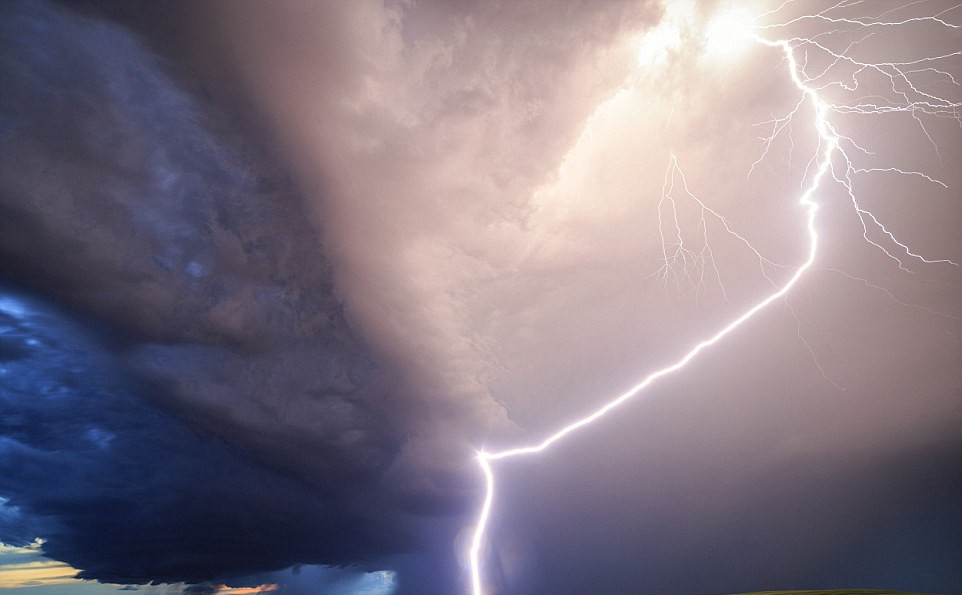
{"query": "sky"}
{"type": "Point", "coordinates": [271, 275]}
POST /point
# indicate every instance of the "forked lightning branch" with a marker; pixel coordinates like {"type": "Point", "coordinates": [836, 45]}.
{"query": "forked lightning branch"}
{"type": "Point", "coordinates": [820, 66]}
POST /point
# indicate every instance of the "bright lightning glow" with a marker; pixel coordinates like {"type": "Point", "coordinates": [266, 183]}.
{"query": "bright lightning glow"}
{"type": "Point", "coordinates": [727, 35]}
{"type": "Point", "coordinates": [729, 32]}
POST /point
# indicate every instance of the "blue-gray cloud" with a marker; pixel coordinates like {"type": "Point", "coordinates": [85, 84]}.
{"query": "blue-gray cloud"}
{"type": "Point", "coordinates": [192, 402]}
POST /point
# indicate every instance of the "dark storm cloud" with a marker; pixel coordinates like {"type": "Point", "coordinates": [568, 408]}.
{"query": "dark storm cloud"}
{"type": "Point", "coordinates": [151, 217]}
{"type": "Point", "coordinates": [124, 492]}
{"type": "Point", "coordinates": [161, 219]}
{"type": "Point", "coordinates": [110, 164]}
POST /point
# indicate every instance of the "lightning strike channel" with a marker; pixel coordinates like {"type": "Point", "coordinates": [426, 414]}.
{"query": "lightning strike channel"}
{"type": "Point", "coordinates": [832, 147]}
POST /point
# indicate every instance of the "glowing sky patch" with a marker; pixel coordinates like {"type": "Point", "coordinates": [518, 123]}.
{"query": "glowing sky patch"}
{"type": "Point", "coordinates": [224, 590]}
{"type": "Point", "coordinates": [728, 33]}
{"type": "Point", "coordinates": [25, 566]}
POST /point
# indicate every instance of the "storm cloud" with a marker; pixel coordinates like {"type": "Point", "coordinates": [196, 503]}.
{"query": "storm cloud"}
{"type": "Point", "coordinates": [224, 347]}
{"type": "Point", "coordinates": [273, 272]}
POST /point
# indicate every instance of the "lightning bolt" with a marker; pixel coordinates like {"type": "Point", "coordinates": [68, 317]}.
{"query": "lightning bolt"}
{"type": "Point", "coordinates": [832, 160]}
